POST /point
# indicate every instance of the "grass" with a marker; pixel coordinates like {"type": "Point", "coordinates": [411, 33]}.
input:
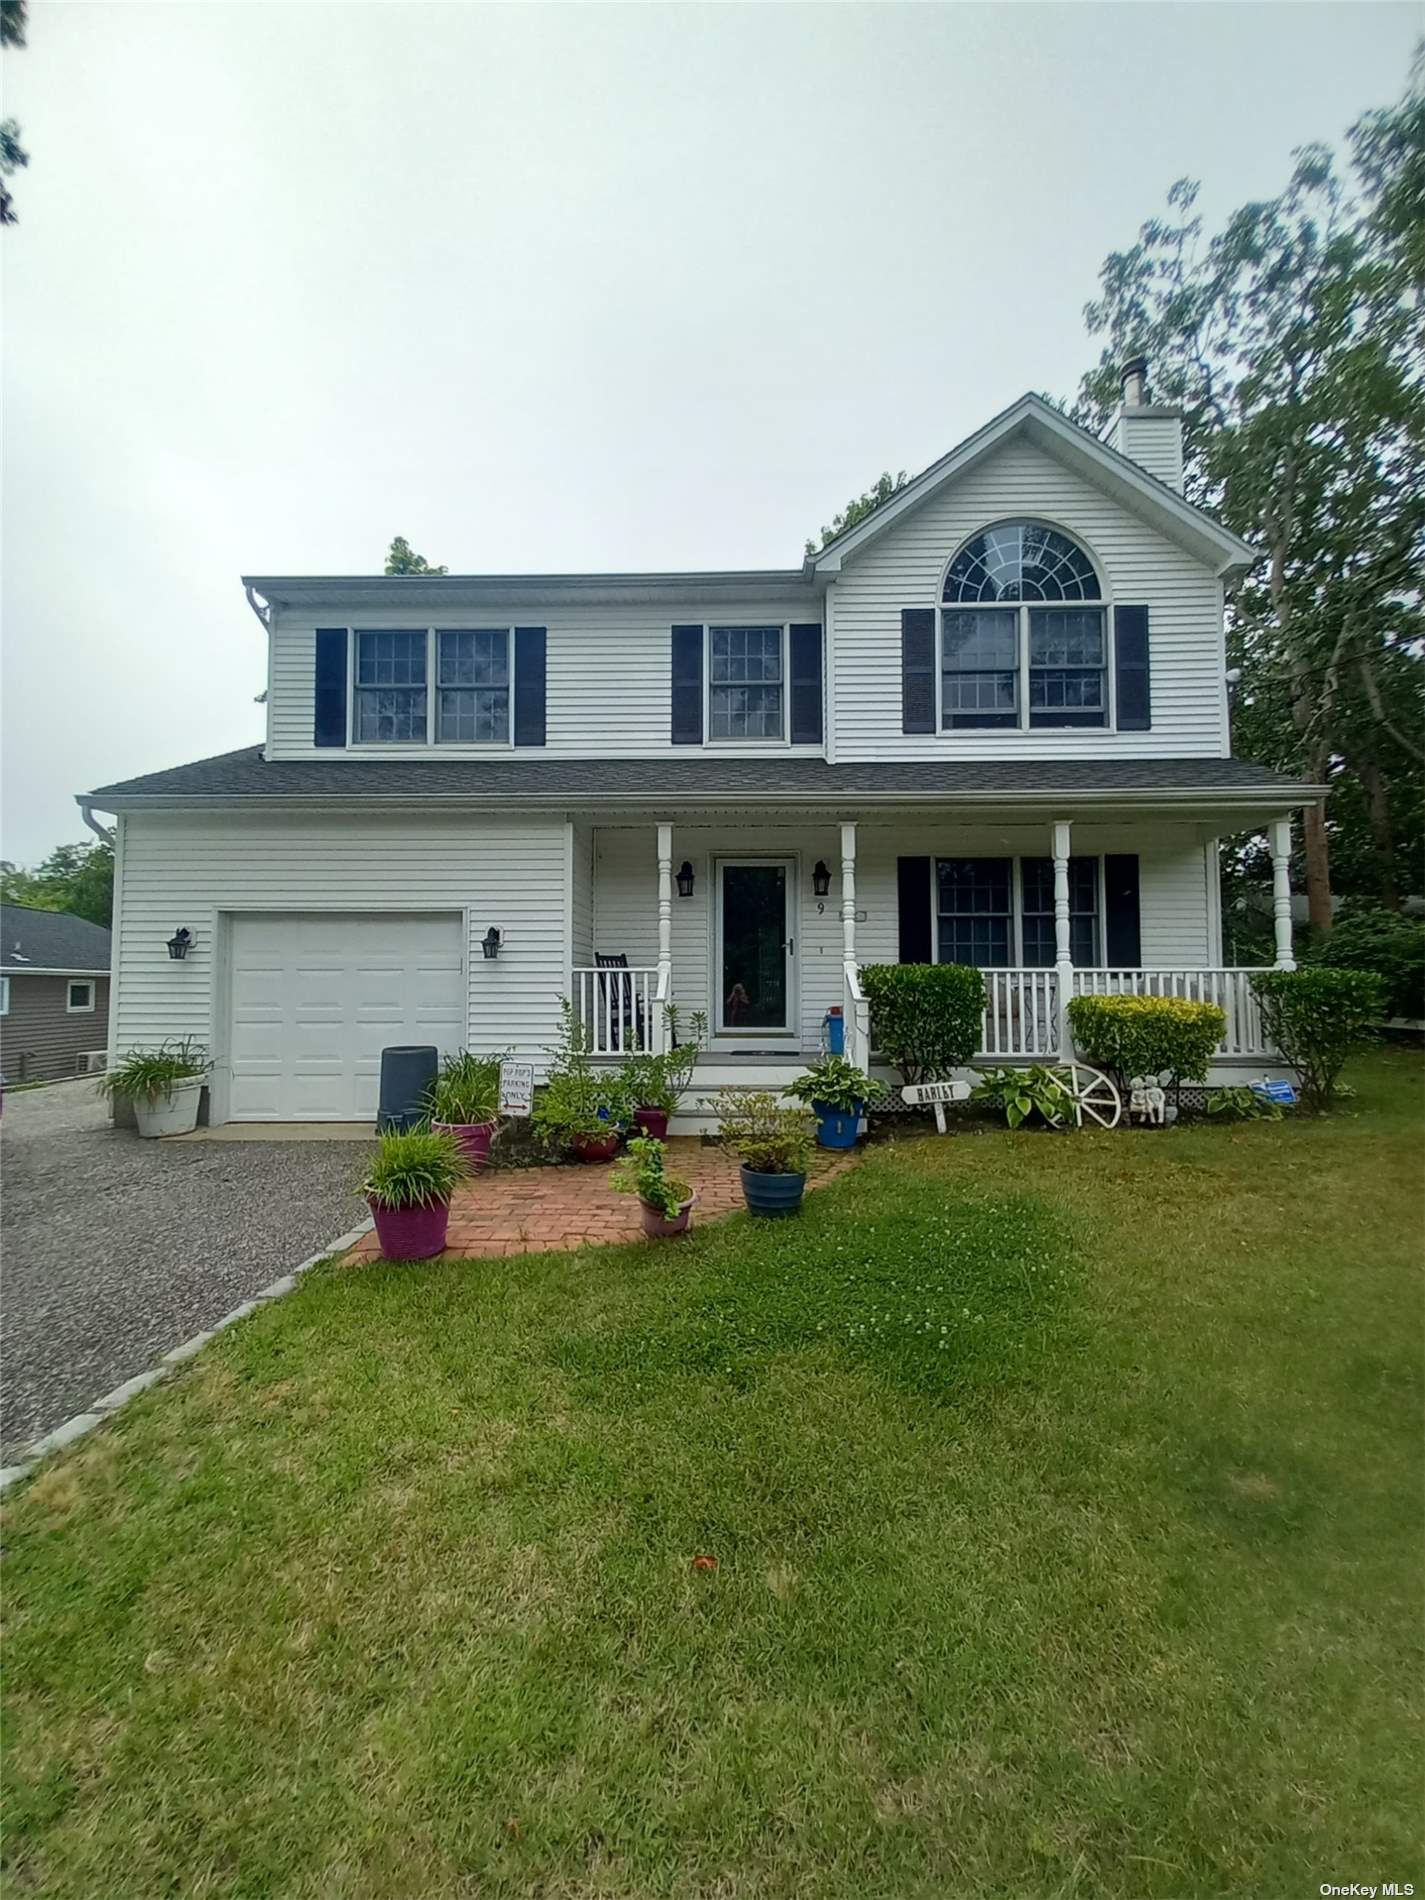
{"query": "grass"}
{"type": "Point", "coordinates": [1064, 1496]}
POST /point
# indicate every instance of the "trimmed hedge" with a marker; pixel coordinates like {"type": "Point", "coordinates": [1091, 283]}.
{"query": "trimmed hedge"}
{"type": "Point", "coordinates": [1147, 1035]}
{"type": "Point", "coordinates": [925, 1017]}
{"type": "Point", "coordinates": [1387, 944]}
{"type": "Point", "coordinates": [1316, 1018]}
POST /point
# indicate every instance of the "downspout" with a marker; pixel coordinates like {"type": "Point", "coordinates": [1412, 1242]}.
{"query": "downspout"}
{"type": "Point", "coordinates": [86, 812]}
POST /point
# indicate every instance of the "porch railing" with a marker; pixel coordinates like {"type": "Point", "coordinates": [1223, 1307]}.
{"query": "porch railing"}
{"type": "Point", "coordinates": [1231, 990]}
{"type": "Point", "coordinates": [1021, 1014]}
{"type": "Point", "coordinates": [619, 1010]}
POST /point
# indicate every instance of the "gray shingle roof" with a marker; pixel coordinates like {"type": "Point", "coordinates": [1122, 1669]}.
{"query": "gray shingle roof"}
{"type": "Point", "coordinates": [49, 940]}
{"type": "Point", "coordinates": [246, 774]}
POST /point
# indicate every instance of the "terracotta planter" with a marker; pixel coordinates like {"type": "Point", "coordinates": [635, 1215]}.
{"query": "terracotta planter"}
{"type": "Point", "coordinates": [473, 1139]}
{"type": "Point", "coordinates": [774, 1196]}
{"type": "Point", "coordinates": [411, 1233]}
{"type": "Point", "coordinates": [656, 1223]}
{"type": "Point", "coordinates": [175, 1112]}
{"type": "Point", "coordinates": [596, 1147]}
{"type": "Point", "coordinates": [652, 1121]}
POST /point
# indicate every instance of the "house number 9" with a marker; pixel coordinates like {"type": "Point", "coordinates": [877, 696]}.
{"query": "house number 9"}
{"type": "Point", "coordinates": [821, 909]}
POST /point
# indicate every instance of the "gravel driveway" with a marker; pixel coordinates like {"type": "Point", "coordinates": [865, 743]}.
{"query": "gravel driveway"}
{"type": "Point", "coordinates": [115, 1249]}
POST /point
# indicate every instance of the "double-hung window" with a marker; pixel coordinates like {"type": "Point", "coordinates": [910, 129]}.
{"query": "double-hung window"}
{"type": "Point", "coordinates": [746, 676]}
{"type": "Point", "coordinates": [1023, 633]}
{"type": "Point", "coordinates": [975, 911]}
{"type": "Point", "coordinates": [473, 682]}
{"type": "Point", "coordinates": [390, 687]}
{"type": "Point", "coordinates": [1037, 908]}
{"type": "Point", "coordinates": [395, 670]}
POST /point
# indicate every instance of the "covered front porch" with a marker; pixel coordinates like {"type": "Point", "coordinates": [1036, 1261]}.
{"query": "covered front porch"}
{"type": "Point", "coordinates": [761, 925]}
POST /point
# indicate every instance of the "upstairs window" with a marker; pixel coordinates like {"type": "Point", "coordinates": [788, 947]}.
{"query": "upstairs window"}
{"type": "Point", "coordinates": [745, 683]}
{"type": "Point", "coordinates": [390, 688]}
{"type": "Point", "coordinates": [1023, 633]}
{"type": "Point", "coordinates": [473, 687]}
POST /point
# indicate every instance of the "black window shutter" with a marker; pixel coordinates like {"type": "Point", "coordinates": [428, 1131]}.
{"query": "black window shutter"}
{"type": "Point", "coordinates": [917, 673]}
{"type": "Point", "coordinates": [329, 697]}
{"type": "Point", "coordinates": [1123, 942]}
{"type": "Point", "coordinates": [529, 685]}
{"type": "Point", "coordinates": [1130, 644]}
{"type": "Point", "coordinates": [913, 898]}
{"type": "Point", "coordinates": [806, 684]}
{"type": "Point", "coordinates": [687, 685]}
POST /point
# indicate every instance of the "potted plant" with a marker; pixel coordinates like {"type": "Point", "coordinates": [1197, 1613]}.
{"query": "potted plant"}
{"type": "Point", "coordinates": [408, 1190]}
{"type": "Point", "coordinates": [657, 1084]}
{"type": "Point", "coordinates": [665, 1203]}
{"type": "Point", "coordinates": [164, 1084]}
{"type": "Point", "coordinates": [773, 1144]}
{"type": "Point", "coordinates": [464, 1101]}
{"type": "Point", "coordinates": [837, 1092]}
{"type": "Point", "coordinates": [580, 1107]}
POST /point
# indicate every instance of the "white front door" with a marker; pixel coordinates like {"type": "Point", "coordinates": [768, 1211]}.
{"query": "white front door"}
{"type": "Point", "coordinates": [755, 948]}
{"type": "Point", "coordinates": [316, 998]}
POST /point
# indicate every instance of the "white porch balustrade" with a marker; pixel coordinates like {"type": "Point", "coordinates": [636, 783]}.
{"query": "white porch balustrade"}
{"type": "Point", "coordinates": [620, 1011]}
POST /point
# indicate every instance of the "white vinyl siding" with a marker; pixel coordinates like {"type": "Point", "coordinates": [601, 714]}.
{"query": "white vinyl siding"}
{"type": "Point", "coordinates": [1139, 564]}
{"type": "Point", "coordinates": [202, 870]}
{"type": "Point", "coordinates": [608, 674]}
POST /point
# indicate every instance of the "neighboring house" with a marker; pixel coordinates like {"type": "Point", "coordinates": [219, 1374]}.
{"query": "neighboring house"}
{"type": "Point", "coordinates": [988, 724]}
{"type": "Point", "coordinates": [54, 994]}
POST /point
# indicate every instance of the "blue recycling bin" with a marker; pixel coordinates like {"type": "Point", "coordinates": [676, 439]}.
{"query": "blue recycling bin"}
{"type": "Point", "coordinates": [833, 1032]}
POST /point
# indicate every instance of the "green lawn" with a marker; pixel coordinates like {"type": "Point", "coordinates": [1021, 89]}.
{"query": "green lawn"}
{"type": "Point", "coordinates": [1065, 1496]}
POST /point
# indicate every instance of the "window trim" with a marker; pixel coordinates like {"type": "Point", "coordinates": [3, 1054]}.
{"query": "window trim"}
{"type": "Point", "coordinates": [1016, 898]}
{"type": "Point", "coordinates": [71, 984]}
{"type": "Point", "coordinates": [782, 628]}
{"type": "Point", "coordinates": [4, 996]}
{"type": "Point", "coordinates": [432, 689]}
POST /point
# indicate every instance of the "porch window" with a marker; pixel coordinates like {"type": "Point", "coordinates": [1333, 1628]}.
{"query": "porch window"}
{"type": "Point", "coordinates": [745, 682]}
{"type": "Point", "coordinates": [390, 688]}
{"type": "Point", "coordinates": [975, 911]}
{"type": "Point", "coordinates": [1023, 638]}
{"type": "Point", "coordinates": [473, 687]}
{"type": "Point", "coordinates": [1037, 900]}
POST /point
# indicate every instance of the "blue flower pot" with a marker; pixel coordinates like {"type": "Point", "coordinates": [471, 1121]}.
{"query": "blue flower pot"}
{"type": "Point", "coordinates": [835, 1128]}
{"type": "Point", "coordinates": [773, 1196]}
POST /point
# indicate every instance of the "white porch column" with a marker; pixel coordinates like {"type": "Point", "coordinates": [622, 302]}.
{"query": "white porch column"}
{"type": "Point", "coordinates": [1063, 955]}
{"type": "Point", "coordinates": [658, 1029]}
{"type": "Point", "coordinates": [848, 893]}
{"type": "Point", "coordinates": [1280, 836]}
{"type": "Point", "coordinates": [853, 1010]}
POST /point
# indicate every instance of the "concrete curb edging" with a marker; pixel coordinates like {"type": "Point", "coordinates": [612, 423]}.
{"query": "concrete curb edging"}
{"type": "Point", "coordinates": [72, 1429]}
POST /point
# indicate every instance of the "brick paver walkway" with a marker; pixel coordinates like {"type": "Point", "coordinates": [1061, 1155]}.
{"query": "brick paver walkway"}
{"type": "Point", "coordinates": [553, 1210]}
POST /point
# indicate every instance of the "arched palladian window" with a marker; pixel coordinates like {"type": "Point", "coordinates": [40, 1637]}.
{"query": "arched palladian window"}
{"type": "Point", "coordinates": [1023, 632]}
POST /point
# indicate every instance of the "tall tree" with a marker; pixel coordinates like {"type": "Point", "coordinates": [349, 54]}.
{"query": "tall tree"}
{"type": "Point", "coordinates": [12, 154]}
{"type": "Point", "coordinates": [400, 560]}
{"type": "Point", "coordinates": [77, 878]}
{"type": "Point", "coordinates": [1294, 339]}
{"type": "Point", "coordinates": [859, 506]}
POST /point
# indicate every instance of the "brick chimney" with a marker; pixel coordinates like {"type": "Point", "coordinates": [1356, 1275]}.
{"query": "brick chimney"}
{"type": "Point", "coordinates": [1149, 433]}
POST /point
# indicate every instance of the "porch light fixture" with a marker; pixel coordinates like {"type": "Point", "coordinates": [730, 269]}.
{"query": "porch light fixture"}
{"type": "Point", "coordinates": [180, 943]}
{"type": "Point", "coordinates": [685, 878]}
{"type": "Point", "coordinates": [820, 878]}
{"type": "Point", "coordinates": [490, 944]}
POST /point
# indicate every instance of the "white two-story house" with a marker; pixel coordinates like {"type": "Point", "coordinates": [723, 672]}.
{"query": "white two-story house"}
{"type": "Point", "coordinates": [988, 725]}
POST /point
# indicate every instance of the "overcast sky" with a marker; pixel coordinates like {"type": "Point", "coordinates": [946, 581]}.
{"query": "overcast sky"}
{"type": "Point", "coordinates": [546, 287]}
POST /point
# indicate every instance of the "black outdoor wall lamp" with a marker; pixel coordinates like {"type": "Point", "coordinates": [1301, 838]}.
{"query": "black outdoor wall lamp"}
{"type": "Point", "coordinates": [180, 943]}
{"type": "Point", "coordinates": [490, 944]}
{"type": "Point", "coordinates": [820, 878]}
{"type": "Point", "coordinates": [685, 878]}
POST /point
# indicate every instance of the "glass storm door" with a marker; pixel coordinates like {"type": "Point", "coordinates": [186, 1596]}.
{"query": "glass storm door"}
{"type": "Point", "coordinates": [755, 947]}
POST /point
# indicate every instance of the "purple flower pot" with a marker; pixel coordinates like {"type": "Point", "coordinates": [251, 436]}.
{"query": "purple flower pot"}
{"type": "Point", "coordinates": [473, 1139]}
{"type": "Point", "coordinates": [411, 1233]}
{"type": "Point", "coordinates": [596, 1147]}
{"type": "Point", "coordinates": [652, 1121]}
{"type": "Point", "coordinates": [656, 1223]}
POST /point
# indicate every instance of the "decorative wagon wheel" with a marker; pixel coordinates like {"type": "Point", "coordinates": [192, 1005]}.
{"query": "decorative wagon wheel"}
{"type": "Point", "coordinates": [1091, 1093]}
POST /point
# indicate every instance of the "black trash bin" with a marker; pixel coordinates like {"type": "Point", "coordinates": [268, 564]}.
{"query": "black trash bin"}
{"type": "Point", "coordinates": [406, 1077]}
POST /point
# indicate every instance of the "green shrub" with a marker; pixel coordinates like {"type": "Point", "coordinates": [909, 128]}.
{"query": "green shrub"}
{"type": "Point", "coordinates": [467, 1090]}
{"type": "Point", "coordinates": [1384, 942]}
{"type": "Point", "coordinates": [148, 1073]}
{"type": "Point", "coordinates": [641, 1172]}
{"type": "Point", "coordinates": [925, 1017]}
{"type": "Point", "coordinates": [1317, 1017]}
{"type": "Point", "coordinates": [1147, 1035]}
{"type": "Point", "coordinates": [764, 1136]}
{"type": "Point", "coordinates": [418, 1168]}
{"type": "Point", "coordinates": [1021, 1093]}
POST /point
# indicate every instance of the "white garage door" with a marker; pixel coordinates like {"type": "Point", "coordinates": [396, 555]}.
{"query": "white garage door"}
{"type": "Point", "coordinates": [317, 998]}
